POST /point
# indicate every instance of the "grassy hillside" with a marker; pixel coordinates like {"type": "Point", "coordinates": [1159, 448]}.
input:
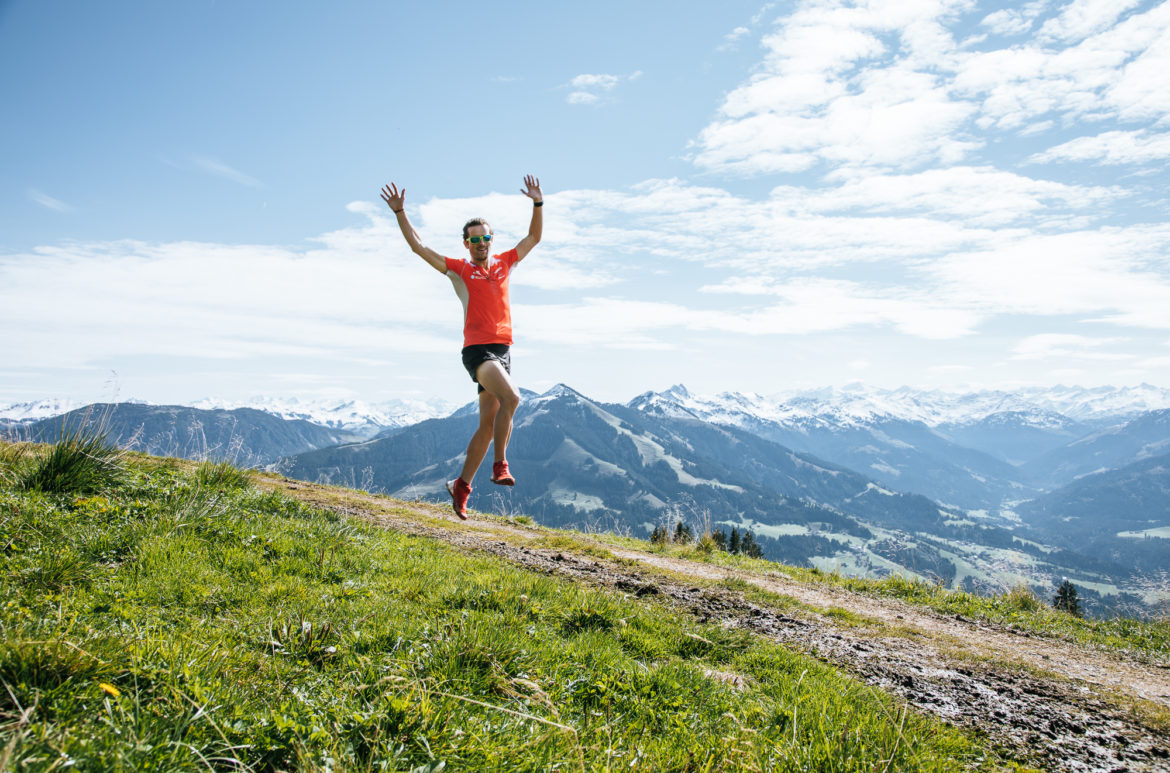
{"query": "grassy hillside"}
{"type": "Point", "coordinates": [158, 615]}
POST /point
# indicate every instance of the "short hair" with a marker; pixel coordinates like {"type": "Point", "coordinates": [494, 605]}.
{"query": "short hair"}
{"type": "Point", "coordinates": [475, 221]}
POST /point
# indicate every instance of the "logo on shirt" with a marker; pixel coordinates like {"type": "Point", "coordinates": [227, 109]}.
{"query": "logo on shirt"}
{"type": "Point", "coordinates": [496, 272]}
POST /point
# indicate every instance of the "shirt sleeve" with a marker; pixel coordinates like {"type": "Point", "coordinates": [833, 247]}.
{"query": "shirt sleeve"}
{"type": "Point", "coordinates": [510, 258]}
{"type": "Point", "coordinates": [453, 265]}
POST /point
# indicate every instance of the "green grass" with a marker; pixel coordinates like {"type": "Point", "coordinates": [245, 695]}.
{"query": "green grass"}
{"type": "Point", "coordinates": [222, 474]}
{"type": "Point", "coordinates": [79, 462]}
{"type": "Point", "coordinates": [171, 623]}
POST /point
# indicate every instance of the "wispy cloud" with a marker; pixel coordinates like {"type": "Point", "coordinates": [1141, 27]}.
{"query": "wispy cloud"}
{"type": "Point", "coordinates": [1082, 18]}
{"type": "Point", "coordinates": [593, 88]}
{"type": "Point", "coordinates": [1013, 21]}
{"type": "Point", "coordinates": [1114, 147]}
{"type": "Point", "coordinates": [1065, 346]}
{"type": "Point", "coordinates": [47, 201]}
{"type": "Point", "coordinates": [731, 39]}
{"type": "Point", "coordinates": [220, 169]}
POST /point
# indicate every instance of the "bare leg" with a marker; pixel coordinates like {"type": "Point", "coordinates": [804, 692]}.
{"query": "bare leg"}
{"type": "Point", "coordinates": [497, 382]}
{"type": "Point", "coordinates": [477, 448]}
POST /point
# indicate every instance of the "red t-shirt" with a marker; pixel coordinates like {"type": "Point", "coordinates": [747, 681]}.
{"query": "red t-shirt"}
{"type": "Point", "coordinates": [487, 315]}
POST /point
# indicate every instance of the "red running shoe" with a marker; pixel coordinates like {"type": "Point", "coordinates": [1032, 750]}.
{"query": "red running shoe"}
{"type": "Point", "coordinates": [459, 491]}
{"type": "Point", "coordinates": [501, 476]}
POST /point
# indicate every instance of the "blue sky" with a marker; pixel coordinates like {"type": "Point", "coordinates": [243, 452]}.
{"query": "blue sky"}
{"type": "Point", "coordinates": [744, 196]}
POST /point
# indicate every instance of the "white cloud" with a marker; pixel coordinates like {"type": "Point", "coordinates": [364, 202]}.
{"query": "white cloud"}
{"type": "Point", "coordinates": [1082, 18]}
{"type": "Point", "coordinates": [1114, 147]}
{"type": "Point", "coordinates": [834, 88]}
{"type": "Point", "coordinates": [592, 88]}
{"type": "Point", "coordinates": [1011, 21]}
{"type": "Point", "coordinates": [600, 82]}
{"type": "Point", "coordinates": [810, 305]}
{"type": "Point", "coordinates": [47, 201]}
{"type": "Point", "coordinates": [731, 39]}
{"type": "Point", "coordinates": [922, 257]}
{"type": "Point", "coordinates": [978, 195]}
{"type": "Point", "coordinates": [78, 303]}
{"type": "Point", "coordinates": [1112, 275]}
{"type": "Point", "coordinates": [582, 98]}
{"type": "Point", "coordinates": [1116, 72]}
{"type": "Point", "coordinates": [558, 275]}
{"type": "Point", "coordinates": [885, 85]}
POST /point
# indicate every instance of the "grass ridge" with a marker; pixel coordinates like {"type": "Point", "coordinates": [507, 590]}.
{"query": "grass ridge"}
{"type": "Point", "coordinates": [187, 620]}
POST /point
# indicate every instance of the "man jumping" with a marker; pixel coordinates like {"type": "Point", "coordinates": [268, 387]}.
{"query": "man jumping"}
{"type": "Point", "coordinates": [482, 285]}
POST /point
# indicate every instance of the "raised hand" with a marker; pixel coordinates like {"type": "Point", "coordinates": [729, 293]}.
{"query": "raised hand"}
{"type": "Point", "coordinates": [531, 188]}
{"type": "Point", "coordinates": [396, 199]}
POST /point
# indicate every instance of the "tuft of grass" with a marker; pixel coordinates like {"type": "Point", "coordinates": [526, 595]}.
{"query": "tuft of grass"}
{"type": "Point", "coordinates": [82, 461]}
{"type": "Point", "coordinates": [58, 569]}
{"type": "Point", "coordinates": [222, 475]}
{"type": "Point", "coordinates": [1022, 599]}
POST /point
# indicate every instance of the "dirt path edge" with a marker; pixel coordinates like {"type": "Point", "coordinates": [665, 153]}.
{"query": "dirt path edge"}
{"type": "Point", "coordinates": [1058, 723]}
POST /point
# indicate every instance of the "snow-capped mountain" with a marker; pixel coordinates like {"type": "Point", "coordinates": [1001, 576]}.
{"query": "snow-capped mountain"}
{"type": "Point", "coordinates": [965, 449]}
{"type": "Point", "coordinates": [35, 410]}
{"type": "Point", "coordinates": [365, 419]}
{"type": "Point", "coordinates": [243, 436]}
{"type": "Point", "coordinates": [859, 404]}
{"type": "Point", "coordinates": [361, 418]}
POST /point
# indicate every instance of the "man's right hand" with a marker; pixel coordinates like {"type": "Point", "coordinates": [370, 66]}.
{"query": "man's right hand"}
{"type": "Point", "coordinates": [394, 198]}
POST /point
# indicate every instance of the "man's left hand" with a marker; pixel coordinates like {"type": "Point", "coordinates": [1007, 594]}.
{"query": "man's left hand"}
{"type": "Point", "coordinates": [531, 188]}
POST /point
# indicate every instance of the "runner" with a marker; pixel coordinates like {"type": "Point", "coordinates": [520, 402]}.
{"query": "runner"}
{"type": "Point", "coordinates": [482, 285]}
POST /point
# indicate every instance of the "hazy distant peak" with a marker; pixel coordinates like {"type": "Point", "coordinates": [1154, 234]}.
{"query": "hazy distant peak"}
{"type": "Point", "coordinates": [857, 403]}
{"type": "Point", "coordinates": [358, 416]}
{"type": "Point", "coordinates": [35, 410]}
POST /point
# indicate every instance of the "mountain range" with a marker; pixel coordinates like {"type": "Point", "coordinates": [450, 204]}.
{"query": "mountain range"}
{"type": "Point", "coordinates": [846, 490]}
{"type": "Point", "coordinates": [244, 436]}
{"type": "Point", "coordinates": [980, 490]}
{"type": "Point", "coordinates": [358, 417]}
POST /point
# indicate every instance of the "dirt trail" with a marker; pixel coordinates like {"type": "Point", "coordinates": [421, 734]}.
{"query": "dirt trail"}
{"type": "Point", "coordinates": [1059, 706]}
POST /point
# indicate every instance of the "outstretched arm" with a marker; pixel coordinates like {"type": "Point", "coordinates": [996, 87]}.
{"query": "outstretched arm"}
{"type": "Point", "coordinates": [531, 189]}
{"type": "Point", "coordinates": [396, 200]}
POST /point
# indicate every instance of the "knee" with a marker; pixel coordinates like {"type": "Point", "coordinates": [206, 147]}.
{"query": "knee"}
{"type": "Point", "coordinates": [510, 401]}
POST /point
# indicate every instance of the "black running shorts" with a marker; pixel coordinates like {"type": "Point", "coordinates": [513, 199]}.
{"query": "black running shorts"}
{"type": "Point", "coordinates": [477, 354]}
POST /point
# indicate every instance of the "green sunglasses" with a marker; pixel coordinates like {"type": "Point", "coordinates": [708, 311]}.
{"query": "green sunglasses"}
{"type": "Point", "coordinates": [477, 239]}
